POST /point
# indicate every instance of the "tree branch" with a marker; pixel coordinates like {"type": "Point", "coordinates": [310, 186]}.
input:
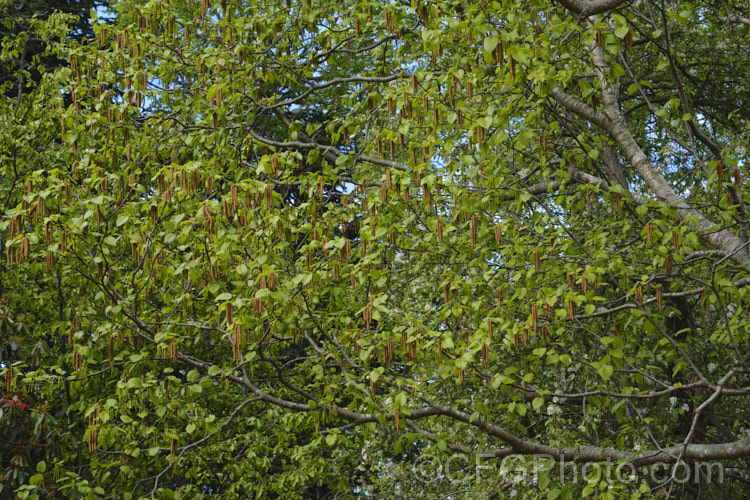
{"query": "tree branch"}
{"type": "Point", "coordinates": [614, 124]}
{"type": "Point", "coordinates": [586, 8]}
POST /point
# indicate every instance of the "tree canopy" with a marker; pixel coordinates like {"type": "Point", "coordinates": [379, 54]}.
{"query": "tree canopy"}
{"type": "Point", "coordinates": [317, 249]}
{"type": "Point", "coordinates": [25, 57]}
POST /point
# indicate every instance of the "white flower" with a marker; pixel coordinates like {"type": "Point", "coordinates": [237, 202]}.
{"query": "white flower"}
{"type": "Point", "coordinates": [553, 410]}
{"type": "Point", "coordinates": [631, 477]}
{"type": "Point", "coordinates": [686, 407]}
{"type": "Point", "coordinates": [399, 259]}
{"type": "Point", "coordinates": [673, 401]}
{"type": "Point", "coordinates": [731, 309]}
{"type": "Point", "coordinates": [637, 447]}
{"type": "Point", "coordinates": [711, 367]}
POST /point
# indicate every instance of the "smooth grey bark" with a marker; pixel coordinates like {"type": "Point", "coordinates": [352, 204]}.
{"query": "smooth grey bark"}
{"type": "Point", "coordinates": [590, 7]}
{"type": "Point", "coordinates": [516, 445]}
{"type": "Point", "coordinates": [617, 128]}
{"type": "Point", "coordinates": [613, 122]}
{"type": "Point", "coordinates": [614, 169]}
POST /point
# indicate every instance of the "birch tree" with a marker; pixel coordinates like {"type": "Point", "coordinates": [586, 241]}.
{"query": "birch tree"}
{"type": "Point", "coordinates": [302, 249]}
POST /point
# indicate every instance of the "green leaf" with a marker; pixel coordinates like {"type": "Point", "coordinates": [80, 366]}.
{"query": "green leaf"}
{"type": "Point", "coordinates": [537, 403]}
{"type": "Point", "coordinates": [490, 43]}
{"type": "Point", "coordinates": [521, 409]}
{"type": "Point", "coordinates": [316, 166]}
